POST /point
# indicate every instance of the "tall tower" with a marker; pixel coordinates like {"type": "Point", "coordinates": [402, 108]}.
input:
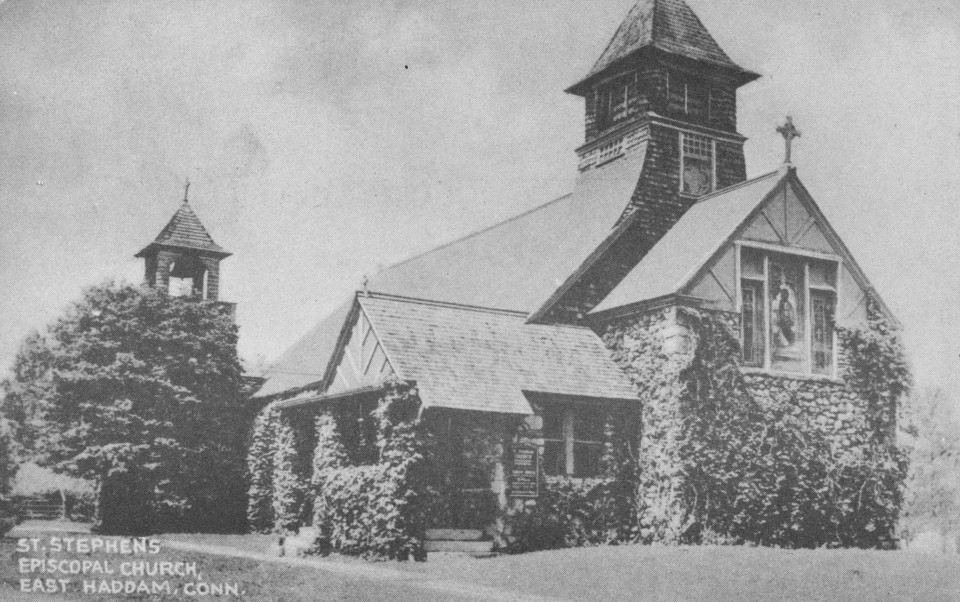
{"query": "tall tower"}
{"type": "Point", "coordinates": [183, 260]}
{"type": "Point", "coordinates": [660, 133]}
{"type": "Point", "coordinates": [664, 78]}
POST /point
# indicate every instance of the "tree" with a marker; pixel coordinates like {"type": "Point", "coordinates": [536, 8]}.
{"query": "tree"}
{"type": "Point", "coordinates": [8, 460]}
{"type": "Point", "coordinates": [143, 394]}
{"type": "Point", "coordinates": [933, 485]}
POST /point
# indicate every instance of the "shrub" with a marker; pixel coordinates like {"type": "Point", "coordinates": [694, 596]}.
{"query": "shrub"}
{"type": "Point", "coordinates": [568, 513]}
{"type": "Point", "coordinates": [376, 510]}
{"type": "Point", "coordinates": [765, 474]}
{"type": "Point", "coordinates": [8, 515]}
{"type": "Point", "coordinates": [289, 480]}
{"type": "Point", "coordinates": [260, 471]}
{"type": "Point", "coordinates": [719, 462]}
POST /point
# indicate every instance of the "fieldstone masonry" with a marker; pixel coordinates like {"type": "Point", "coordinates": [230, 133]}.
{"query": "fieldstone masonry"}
{"type": "Point", "coordinates": [654, 347]}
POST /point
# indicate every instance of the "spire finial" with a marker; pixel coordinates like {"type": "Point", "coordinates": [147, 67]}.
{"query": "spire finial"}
{"type": "Point", "coordinates": [789, 132]}
{"type": "Point", "coordinates": [186, 190]}
{"type": "Point", "coordinates": [365, 284]}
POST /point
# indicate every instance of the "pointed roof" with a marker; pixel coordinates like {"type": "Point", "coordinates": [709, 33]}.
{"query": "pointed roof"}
{"type": "Point", "coordinates": [475, 271]}
{"type": "Point", "coordinates": [670, 26]}
{"type": "Point", "coordinates": [705, 230]}
{"type": "Point", "coordinates": [467, 358]}
{"type": "Point", "coordinates": [690, 242]}
{"type": "Point", "coordinates": [184, 230]}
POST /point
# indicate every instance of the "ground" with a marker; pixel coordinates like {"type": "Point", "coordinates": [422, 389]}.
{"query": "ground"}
{"type": "Point", "coordinates": [608, 573]}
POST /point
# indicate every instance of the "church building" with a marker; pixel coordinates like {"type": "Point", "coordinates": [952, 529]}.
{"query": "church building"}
{"type": "Point", "coordinates": [523, 339]}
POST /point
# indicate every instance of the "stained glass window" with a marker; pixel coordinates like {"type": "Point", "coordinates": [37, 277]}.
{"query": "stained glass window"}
{"type": "Point", "coordinates": [697, 161]}
{"type": "Point", "coordinates": [787, 290]}
{"type": "Point", "coordinates": [753, 348]}
{"type": "Point", "coordinates": [822, 307]}
{"type": "Point", "coordinates": [779, 332]}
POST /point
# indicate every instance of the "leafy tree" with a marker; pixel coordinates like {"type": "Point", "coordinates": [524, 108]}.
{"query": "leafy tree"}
{"type": "Point", "coordinates": [143, 394]}
{"type": "Point", "coordinates": [25, 396]}
{"type": "Point", "coordinates": [933, 486]}
{"type": "Point", "coordinates": [8, 460]}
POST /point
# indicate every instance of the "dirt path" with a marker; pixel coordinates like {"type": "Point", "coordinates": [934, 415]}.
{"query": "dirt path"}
{"type": "Point", "coordinates": [369, 573]}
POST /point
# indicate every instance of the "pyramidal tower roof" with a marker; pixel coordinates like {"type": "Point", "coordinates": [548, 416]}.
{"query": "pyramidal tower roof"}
{"type": "Point", "coordinates": [185, 231]}
{"type": "Point", "coordinates": [669, 26]}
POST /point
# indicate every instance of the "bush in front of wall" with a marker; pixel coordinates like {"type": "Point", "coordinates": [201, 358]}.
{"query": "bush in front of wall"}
{"type": "Point", "coordinates": [260, 457]}
{"type": "Point", "coordinates": [376, 510]}
{"type": "Point", "coordinates": [718, 461]}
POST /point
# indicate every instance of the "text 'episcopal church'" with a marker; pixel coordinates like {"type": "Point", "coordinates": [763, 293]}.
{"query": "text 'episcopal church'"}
{"type": "Point", "coordinates": [519, 343]}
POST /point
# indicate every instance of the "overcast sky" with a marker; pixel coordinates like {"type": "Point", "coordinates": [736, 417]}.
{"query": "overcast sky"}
{"type": "Point", "coordinates": [325, 139]}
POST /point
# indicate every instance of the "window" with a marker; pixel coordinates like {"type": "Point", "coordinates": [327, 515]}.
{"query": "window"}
{"type": "Point", "coordinates": [572, 439]}
{"type": "Point", "coordinates": [687, 95]}
{"type": "Point", "coordinates": [696, 164]}
{"type": "Point", "coordinates": [713, 105]}
{"type": "Point", "coordinates": [823, 310]}
{"type": "Point", "coordinates": [787, 311]}
{"type": "Point", "coordinates": [612, 100]}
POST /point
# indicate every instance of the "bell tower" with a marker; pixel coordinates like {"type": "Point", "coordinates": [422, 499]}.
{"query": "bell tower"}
{"type": "Point", "coordinates": [663, 78]}
{"type": "Point", "coordinates": [660, 134]}
{"type": "Point", "coordinates": [183, 260]}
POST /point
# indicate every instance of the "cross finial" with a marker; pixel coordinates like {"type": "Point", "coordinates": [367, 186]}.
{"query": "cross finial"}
{"type": "Point", "coordinates": [365, 284]}
{"type": "Point", "coordinates": [186, 190]}
{"type": "Point", "coordinates": [789, 132]}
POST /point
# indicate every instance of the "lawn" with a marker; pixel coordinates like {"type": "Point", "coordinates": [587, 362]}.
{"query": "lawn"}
{"type": "Point", "coordinates": [609, 573]}
{"type": "Point", "coordinates": [687, 573]}
{"type": "Point", "coordinates": [715, 573]}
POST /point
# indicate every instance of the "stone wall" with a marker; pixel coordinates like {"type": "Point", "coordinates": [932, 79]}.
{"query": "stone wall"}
{"type": "Point", "coordinates": [832, 405]}
{"type": "Point", "coordinates": [654, 348]}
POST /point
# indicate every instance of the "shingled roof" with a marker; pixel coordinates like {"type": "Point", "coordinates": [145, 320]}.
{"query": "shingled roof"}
{"type": "Point", "coordinates": [478, 359]}
{"type": "Point", "coordinates": [184, 230]}
{"type": "Point", "coordinates": [667, 25]}
{"type": "Point", "coordinates": [475, 270]}
{"type": "Point", "coordinates": [690, 243]}
{"type": "Point", "coordinates": [519, 263]}
{"type": "Point", "coordinates": [305, 362]}
{"type": "Point", "coordinates": [708, 227]}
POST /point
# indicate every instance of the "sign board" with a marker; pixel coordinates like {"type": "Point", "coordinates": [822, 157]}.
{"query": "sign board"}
{"type": "Point", "coordinates": [523, 472]}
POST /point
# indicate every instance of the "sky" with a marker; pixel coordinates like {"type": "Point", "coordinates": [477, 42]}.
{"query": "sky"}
{"type": "Point", "coordinates": [325, 140]}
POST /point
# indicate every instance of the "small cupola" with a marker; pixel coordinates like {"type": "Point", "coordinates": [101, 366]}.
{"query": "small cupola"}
{"type": "Point", "coordinates": [183, 260]}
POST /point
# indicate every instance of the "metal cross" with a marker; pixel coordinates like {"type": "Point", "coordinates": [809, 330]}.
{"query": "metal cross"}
{"type": "Point", "coordinates": [186, 189]}
{"type": "Point", "coordinates": [789, 132]}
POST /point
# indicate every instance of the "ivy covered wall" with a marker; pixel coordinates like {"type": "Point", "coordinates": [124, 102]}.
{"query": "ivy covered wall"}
{"type": "Point", "coordinates": [751, 457]}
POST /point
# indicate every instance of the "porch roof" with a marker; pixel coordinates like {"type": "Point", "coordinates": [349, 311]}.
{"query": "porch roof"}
{"type": "Point", "coordinates": [479, 359]}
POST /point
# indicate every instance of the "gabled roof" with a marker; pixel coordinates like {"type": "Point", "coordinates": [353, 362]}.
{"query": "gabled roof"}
{"type": "Point", "coordinates": [306, 362]}
{"type": "Point", "coordinates": [519, 263]}
{"type": "Point", "coordinates": [690, 243]}
{"type": "Point", "coordinates": [483, 360]}
{"type": "Point", "coordinates": [514, 265]}
{"type": "Point", "coordinates": [709, 227]}
{"type": "Point", "coordinates": [184, 230]}
{"type": "Point", "coordinates": [670, 26]}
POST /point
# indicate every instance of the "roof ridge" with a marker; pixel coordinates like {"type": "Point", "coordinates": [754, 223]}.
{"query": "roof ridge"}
{"type": "Point", "coordinates": [437, 303]}
{"type": "Point", "coordinates": [475, 233]}
{"type": "Point", "coordinates": [736, 186]}
{"type": "Point", "coordinates": [623, 23]}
